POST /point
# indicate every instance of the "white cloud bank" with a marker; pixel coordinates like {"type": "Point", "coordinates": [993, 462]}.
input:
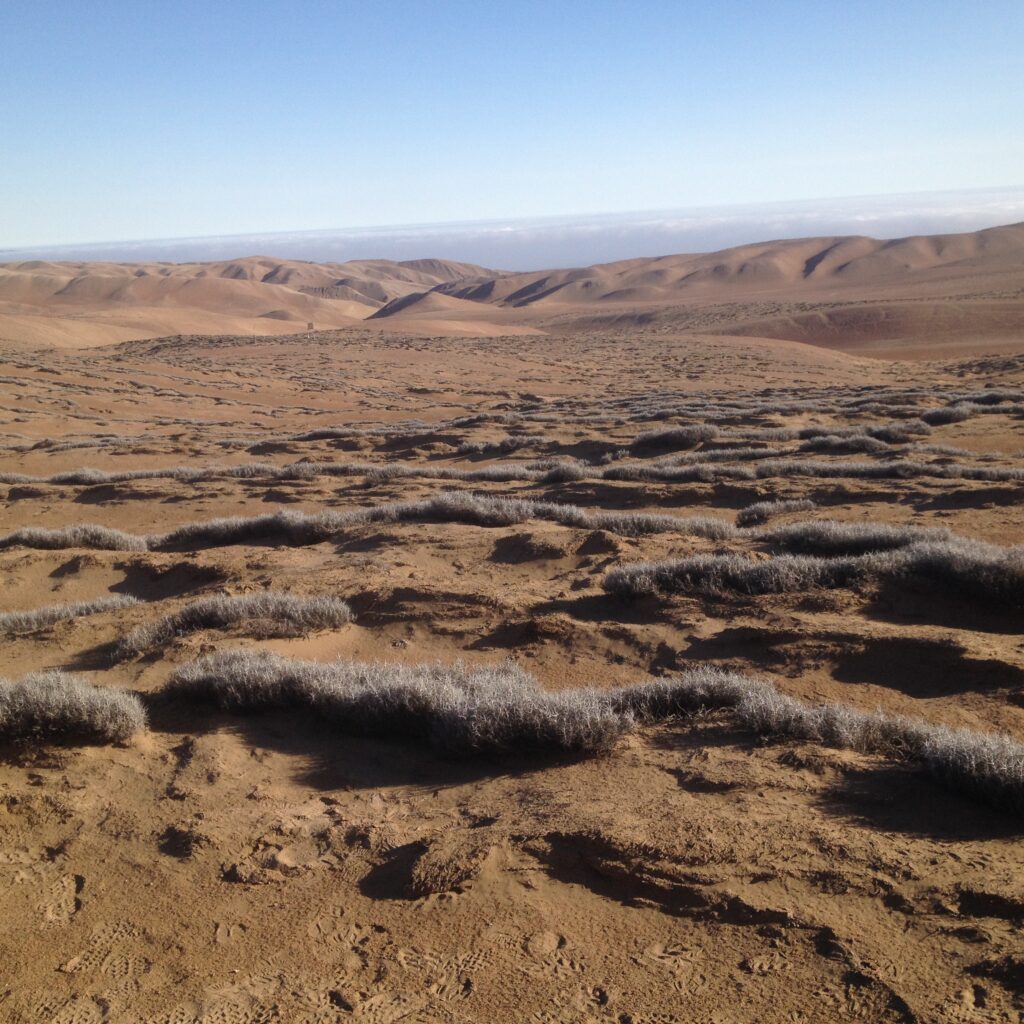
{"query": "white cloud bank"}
{"type": "Point", "coordinates": [582, 240]}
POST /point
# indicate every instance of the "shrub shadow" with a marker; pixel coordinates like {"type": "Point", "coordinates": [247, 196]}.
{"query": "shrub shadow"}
{"type": "Point", "coordinates": [893, 797]}
{"type": "Point", "coordinates": [329, 759]}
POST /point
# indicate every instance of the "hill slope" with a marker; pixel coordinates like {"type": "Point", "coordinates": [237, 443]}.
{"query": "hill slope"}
{"type": "Point", "coordinates": [901, 294]}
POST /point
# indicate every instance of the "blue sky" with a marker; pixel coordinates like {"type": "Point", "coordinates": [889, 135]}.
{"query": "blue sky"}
{"type": "Point", "coordinates": [164, 119]}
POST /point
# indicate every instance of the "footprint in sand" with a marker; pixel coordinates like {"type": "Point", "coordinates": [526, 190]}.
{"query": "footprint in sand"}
{"type": "Point", "coordinates": [224, 933]}
{"type": "Point", "coordinates": [62, 902]}
{"type": "Point", "coordinates": [74, 1011]}
{"type": "Point", "coordinates": [551, 954]}
{"type": "Point", "coordinates": [384, 1008]}
{"type": "Point", "coordinates": [103, 942]}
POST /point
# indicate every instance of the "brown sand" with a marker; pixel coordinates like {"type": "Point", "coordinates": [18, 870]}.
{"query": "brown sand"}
{"type": "Point", "coordinates": [253, 869]}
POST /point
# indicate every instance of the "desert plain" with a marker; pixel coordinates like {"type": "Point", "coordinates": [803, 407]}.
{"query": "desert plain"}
{"type": "Point", "coordinates": [640, 523]}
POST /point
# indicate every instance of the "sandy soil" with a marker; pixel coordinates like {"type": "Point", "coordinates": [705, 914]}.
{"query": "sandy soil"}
{"type": "Point", "coordinates": [253, 869]}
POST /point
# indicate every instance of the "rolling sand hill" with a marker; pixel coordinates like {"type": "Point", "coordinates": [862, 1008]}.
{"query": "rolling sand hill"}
{"type": "Point", "coordinates": [918, 296]}
{"type": "Point", "coordinates": [903, 294]}
{"type": "Point", "coordinates": [84, 304]}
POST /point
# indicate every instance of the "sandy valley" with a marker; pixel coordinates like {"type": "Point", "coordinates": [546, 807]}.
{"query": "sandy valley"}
{"type": "Point", "coordinates": [554, 475]}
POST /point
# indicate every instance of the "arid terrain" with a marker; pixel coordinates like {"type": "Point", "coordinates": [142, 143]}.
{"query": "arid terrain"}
{"type": "Point", "coordinates": [554, 474]}
{"type": "Point", "coordinates": [911, 297]}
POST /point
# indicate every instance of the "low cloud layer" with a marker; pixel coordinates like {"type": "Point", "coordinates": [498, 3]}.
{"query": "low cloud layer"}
{"type": "Point", "coordinates": [583, 240]}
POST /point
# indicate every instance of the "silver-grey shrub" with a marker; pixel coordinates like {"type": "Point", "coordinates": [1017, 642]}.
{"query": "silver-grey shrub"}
{"type": "Point", "coordinates": [695, 690]}
{"type": "Point", "coordinates": [457, 709]}
{"type": "Point", "coordinates": [279, 613]}
{"type": "Point", "coordinates": [448, 506]}
{"type": "Point", "coordinates": [988, 766]}
{"type": "Point", "coordinates": [40, 618]}
{"type": "Point", "coordinates": [844, 445]}
{"type": "Point", "coordinates": [963, 569]}
{"type": "Point", "coordinates": [674, 437]}
{"type": "Point", "coordinates": [894, 469]}
{"type": "Point", "coordinates": [493, 709]}
{"type": "Point", "coordinates": [949, 414]}
{"type": "Point", "coordinates": [762, 511]}
{"type": "Point", "coordinates": [507, 444]}
{"type": "Point", "coordinates": [732, 574]}
{"type": "Point", "coordinates": [830, 537]}
{"type": "Point", "coordinates": [81, 535]}
{"type": "Point", "coordinates": [56, 705]}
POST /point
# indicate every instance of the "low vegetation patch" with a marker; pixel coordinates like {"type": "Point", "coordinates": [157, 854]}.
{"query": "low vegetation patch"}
{"type": "Point", "coordinates": [829, 537]}
{"type": "Point", "coordinates": [499, 709]}
{"type": "Point", "coordinates": [39, 618]}
{"type": "Point", "coordinates": [299, 528]}
{"type": "Point", "coordinates": [274, 615]}
{"type": "Point", "coordinates": [55, 705]}
{"type": "Point", "coordinates": [81, 535]}
{"type": "Point", "coordinates": [762, 511]}
{"type": "Point", "coordinates": [674, 437]}
{"type": "Point", "coordinates": [956, 568]}
{"type": "Point", "coordinates": [989, 767]}
{"type": "Point", "coordinates": [457, 709]}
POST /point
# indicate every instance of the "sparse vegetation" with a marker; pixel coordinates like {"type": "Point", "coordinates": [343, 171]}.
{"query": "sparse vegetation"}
{"type": "Point", "coordinates": [39, 618]}
{"type": "Point", "coordinates": [461, 710]}
{"type": "Point", "coordinates": [458, 710]}
{"type": "Point", "coordinates": [762, 511]}
{"type": "Point", "coordinates": [963, 569]}
{"type": "Point", "coordinates": [732, 574]}
{"type": "Point", "coordinates": [55, 705]}
{"type": "Point", "coordinates": [674, 437]}
{"type": "Point", "coordinates": [507, 444]}
{"type": "Point", "coordinates": [82, 535]}
{"type": "Point", "coordinates": [828, 537]}
{"type": "Point", "coordinates": [300, 528]}
{"type": "Point", "coordinates": [274, 615]}
{"type": "Point", "coordinates": [989, 767]}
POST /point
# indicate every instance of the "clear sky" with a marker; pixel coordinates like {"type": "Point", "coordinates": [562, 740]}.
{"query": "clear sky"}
{"type": "Point", "coordinates": [157, 119]}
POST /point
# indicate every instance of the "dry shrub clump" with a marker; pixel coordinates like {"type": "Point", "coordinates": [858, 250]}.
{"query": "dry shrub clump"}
{"type": "Point", "coordinates": [82, 535]}
{"type": "Point", "coordinates": [829, 537]}
{"type": "Point", "coordinates": [275, 614]}
{"type": "Point", "coordinates": [897, 469]}
{"type": "Point", "coordinates": [497, 709]}
{"type": "Point", "coordinates": [674, 437]}
{"type": "Point", "coordinates": [458, 710]}
{"type": "Point", "coordinates": [56, 705]}
{"type": "Point", "coordinates": [39, 618]}
{"type": "Point", "coordinates": [962, 569]}
{"type": "Point", "coordinates": [762, 511]}
{"type": "Point", "coordinates": [507, 444]}
{"type": "Point", "coordinates": [695, 690]}
{"type": "Point", "coordinates": [844, 445]}
{"type": "Point", "coordinates": [732, 574]}
{"type": "Point", "coordinates": [987, 766]}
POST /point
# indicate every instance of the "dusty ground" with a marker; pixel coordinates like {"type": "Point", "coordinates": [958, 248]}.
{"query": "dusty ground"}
{"type": "Point", "coordinates": [232, 870]}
